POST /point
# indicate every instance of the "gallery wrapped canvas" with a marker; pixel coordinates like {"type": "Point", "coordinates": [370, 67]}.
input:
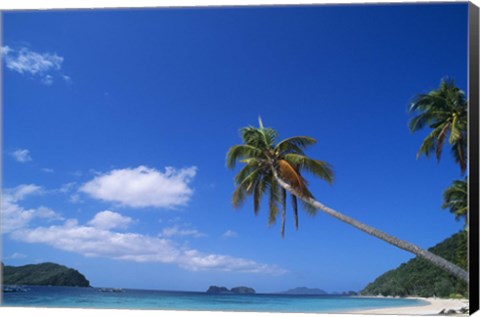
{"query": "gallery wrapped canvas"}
{"type": "Point", "coordinates": [267, 159]}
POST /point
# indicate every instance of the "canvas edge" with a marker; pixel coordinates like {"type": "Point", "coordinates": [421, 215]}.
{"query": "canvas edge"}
{"type": "Point", "coordinates": [473, 146]}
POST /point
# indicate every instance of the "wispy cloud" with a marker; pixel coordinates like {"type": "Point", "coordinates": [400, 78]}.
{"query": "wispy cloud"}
{"type": "Point", "coordinates": [25, 61]}
{"type": "Point", "coordinates": [16, 256]}
{"type": "Point", "coordinates": [68, 187]}
{"type": "Point", "coordinates": [21, 155]}
{"type": "Point", "coordinates": [20, 192]}
{"type": "Point", "coordinates": [176, 231]}
{"type": "Point", "coordinates": [194, 260]}
{"type": "Point", "coordinates": [14, 216]}
{"type": "Point", "coordinates": [75, 199]}
{"type": "Point", "coordinates": [76, 173]}
{"type": "Point", "coordinates": [47, 170]}
{"type": "Point", "coordinates": [143, 187]}
{"type": "Point", "coordinates": [230, 234]}
{"type": "Point", "coordinates": [92, 240]}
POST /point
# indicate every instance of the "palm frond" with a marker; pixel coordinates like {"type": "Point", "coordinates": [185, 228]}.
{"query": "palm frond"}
{"type": "Point", "coordinates": [238, 152]}
{"type": "Point", "coordinates": [440, 139]}
{"type": "Point", "coordinates": [273, 203]}
{"type": "Point", "coordinates": [239, 196]}
{"type": "Point", "coordinates": [459, 153]}
{"type": "Point", "coordinates": [260, 189]}
{"type": "Point", "coordinates": [429, 144]}
{"type": "Point", "coordinates": [418, 122]}
{"type": "Point", "coordinates": [311, 210]}
{"type": "Point", "coordinates": [243, 173]}
{"type": "Point", "coordinates": [261, 138]}
{"type": "Point", "coordinates": [455, 198]}
{"type": "Point", "coordinates": [283, 197]}
{"type": "Point", "coordinates": [455, 132]}
{"type": "Point", "coordinates": [294, 144]}
{"type": "Point", "coordinates": [428, 102]}
{"type": "Point", "coordinates": [295, 209]}
{"type": "Point", "coordinates": [318, 168]}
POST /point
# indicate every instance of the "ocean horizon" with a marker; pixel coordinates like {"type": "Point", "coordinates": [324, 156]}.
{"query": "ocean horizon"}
{"type": "Point", "coordinates": [114, 298]}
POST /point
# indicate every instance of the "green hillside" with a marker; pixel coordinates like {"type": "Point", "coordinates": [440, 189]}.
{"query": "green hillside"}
{"type": "Point", "coordinates": [43, 274]}
{"type": "Point", "coordinates": [418, 277]}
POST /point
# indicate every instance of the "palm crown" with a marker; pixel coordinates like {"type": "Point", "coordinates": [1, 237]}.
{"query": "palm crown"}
{"type": "Point", "coordinates": [445, 111]}
{"type": "Point", "coordinates": [263, 157]}
{"type": "Point", "coordinates": [455, 198]}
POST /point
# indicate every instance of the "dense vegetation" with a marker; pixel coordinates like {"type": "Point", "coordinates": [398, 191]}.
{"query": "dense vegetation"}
{"type": "Point", "coordinates": [419, 278]}
{"type": "Point", "coordinates": [43, 274]}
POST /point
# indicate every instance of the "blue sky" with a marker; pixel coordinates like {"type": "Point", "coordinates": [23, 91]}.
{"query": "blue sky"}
{"type": "Point", "coordinates": [116, 126]}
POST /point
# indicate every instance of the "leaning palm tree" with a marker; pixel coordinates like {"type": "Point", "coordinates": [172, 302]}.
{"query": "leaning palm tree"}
{"type": "Point", "coordinates": [256, 177]}
{"type": "Point", "coordinates": [455, 198]}
{"type": "Point", "coordinates": [444, 110]}
{"type": "Point", "coordinates": [275, 168]}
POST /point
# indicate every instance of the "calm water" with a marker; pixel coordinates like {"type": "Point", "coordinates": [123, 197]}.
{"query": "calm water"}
{"type": "Point", "coordinates": [39, 296]}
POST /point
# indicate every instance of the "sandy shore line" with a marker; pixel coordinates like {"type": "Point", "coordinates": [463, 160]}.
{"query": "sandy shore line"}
{"type": "Point", "coordinates": [433, 306]}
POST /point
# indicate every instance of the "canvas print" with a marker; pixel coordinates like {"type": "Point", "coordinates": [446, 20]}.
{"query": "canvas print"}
{"type": "Point", "coordinates": [286, 159]}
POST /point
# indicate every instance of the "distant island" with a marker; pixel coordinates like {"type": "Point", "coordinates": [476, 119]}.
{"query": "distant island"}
{"type": "Point", "coordinates": [315, 291]}
{"type": "Point", "coordinates": [305, 291]}
{"type": "Point", "coordinates": [417, 277]}
{"type": "Point", "coordinates": [43, 274]}
{"type": "Point", "coordinates": [236, 290]}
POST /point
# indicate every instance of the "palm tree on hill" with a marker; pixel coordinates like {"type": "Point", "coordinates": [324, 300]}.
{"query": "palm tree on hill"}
{"type": "Point", "coordinates": [444, 110]}
{"type": "Point", "coordinates": [276, 168]}
{"type": "Point", "coordinates": [456, 199]}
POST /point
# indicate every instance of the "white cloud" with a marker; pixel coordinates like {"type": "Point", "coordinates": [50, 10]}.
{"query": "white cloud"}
{"type": "Point", "coordinates": [27, 62]}
{"type": "Point", "coordinates": [176, 231]}
{"type": "Point", "coordinates": [230, 234]}
{"type": "Point", "coordinates": [68, 188]}
{"type": "Point", "coordinates": [5, 50]}
{"type": "Point", "coordinates": [98, 238]}
{"type": "Point", "coordinates": [65, 188]}
{"type": "Point", "coordinates": [14, 216]}
{"type": "Point", "coordinates": [110, 220]}
{"type": "Point", "coordinates": [76, 173]}
{"type": "Point", "coordinates": [20, 192]}
{"type": "Point", "coordinates": [22, 155]}
{"type": "Point", "coordinates": [47, 170]}
{"type": "Point", "coordinates": [92, 240]}
{"type": "Point", "coordinates": [143, 187]}
{"type": "Point", "coordinates": [47, 80]}
{"type": "Point", "coordinates": [16, 256]}
{"type": "Point", "coordinates": [75, 199]}
{"type": "Point", "coordinates": [196, 261]}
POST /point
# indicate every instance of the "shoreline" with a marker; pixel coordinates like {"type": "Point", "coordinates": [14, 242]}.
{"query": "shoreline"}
{"type": "Point", "coordinates": [433, 306]}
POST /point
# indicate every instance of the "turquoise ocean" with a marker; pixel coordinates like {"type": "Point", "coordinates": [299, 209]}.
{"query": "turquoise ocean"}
{"type": "Point", "coordinates": [75, 297]}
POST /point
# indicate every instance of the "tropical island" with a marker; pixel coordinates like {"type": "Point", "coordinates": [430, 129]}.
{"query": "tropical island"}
{"type": "Point", "coordinates": [305, 291]}
{"type": "Point", "coordinates": [43, 274]}
{"type": "Point", "coordinates": [418, 278]}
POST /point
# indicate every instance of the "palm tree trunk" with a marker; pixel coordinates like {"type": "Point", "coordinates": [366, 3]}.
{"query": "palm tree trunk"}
{"type": "Point", "coordinates": [407, 246]}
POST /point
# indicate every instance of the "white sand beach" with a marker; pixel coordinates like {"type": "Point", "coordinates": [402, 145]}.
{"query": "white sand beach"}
{"type": "Point", "coordinates": [434, 307]}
